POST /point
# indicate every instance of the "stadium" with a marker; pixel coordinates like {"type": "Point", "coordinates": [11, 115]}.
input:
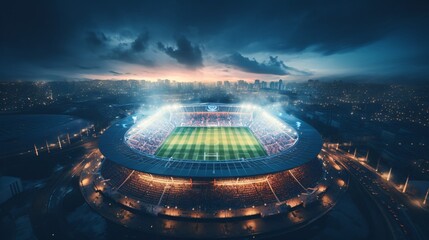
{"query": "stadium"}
{"type": "Point", "coordinates": [211, 171]}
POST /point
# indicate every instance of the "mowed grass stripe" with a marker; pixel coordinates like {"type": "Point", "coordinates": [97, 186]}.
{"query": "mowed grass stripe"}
{"type": "Point", "coordinates": [228, 142]}
{"type": "Point", "coordinates": [177, 144]}
{"type": "Point", "coordinates": [199, 145]}
{"type": "Point", "coordinates": [161, 151]}
{"type": "Point", "coordinates": [236, 147]}
{"type": "Point", "coordinates": [175, 137]}
{"type": "Point", "coordinates": [189, 149]}
{"type": "Point", "coordinates": [205, 140]}
{"type": "Point", "coordinates": [253, 144]}
{"type": "Point", "coordinates": [231, 148]}
{"type": "Point", "coordinates": [214, 139]}
{"type": "Point", "coordinates": [241, 146]}
{"type": "Point", "coordinates": [256, 147]}
{"type": "Point", "coordinates": [260, 149]}
{"type": "Point", "coordinates": [222, 142]}
{"type": "Point", "coordinates": [186, 148]}
{"type": "Point", "coordinates": [249, 144]}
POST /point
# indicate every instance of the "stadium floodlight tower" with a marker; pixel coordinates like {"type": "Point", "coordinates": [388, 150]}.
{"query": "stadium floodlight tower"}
{"type": "Point", "coordinates": [204, 165]}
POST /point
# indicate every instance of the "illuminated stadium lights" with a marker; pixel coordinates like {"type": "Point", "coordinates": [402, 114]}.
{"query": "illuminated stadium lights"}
{"type": "Point", "coordinates": [142, 124]}
{"type": "Point", "coordinates": [85, 181]}
{"type": "Point", "coordinates": [238, 181]}
{"type": "Point", "coordinates": [163, 180]}
{"type": "Point", "coordinates": [274, 120]}
{"type": "Point", "coordinates": [389, 174]}
{"type": "Point", "coordinates": [174, 107]}
{"type": "Point", "coordinates": [248, 106]}
{"type": "Point", "coordinates": [426, 197]}
{"type": "Point", "coordinates": [341, 182]}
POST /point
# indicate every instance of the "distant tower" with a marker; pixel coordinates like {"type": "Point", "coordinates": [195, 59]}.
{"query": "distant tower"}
{"type": "Point", "coordinates": [59, 142]}
{"type": "Point", "coordinates": [426, 197]}
{"type": "Point", "coordinates": [47, 146]}
{"type": "Point", "coordinates": [378, 165]}
{"type": "Point", "coordinates": [406, 184]}
{"type": "Point", "coordinates": [35, 150]}
{"type": "Point", "coordinates": [388, 175]}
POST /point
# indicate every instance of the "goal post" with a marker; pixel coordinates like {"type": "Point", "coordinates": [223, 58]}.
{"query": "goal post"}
{"type": "Point", "coordinates": [211, 156]}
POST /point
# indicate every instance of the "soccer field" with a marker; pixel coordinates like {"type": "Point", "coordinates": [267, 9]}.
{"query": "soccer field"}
{"type": "Point", "coordinates": [211, 143]}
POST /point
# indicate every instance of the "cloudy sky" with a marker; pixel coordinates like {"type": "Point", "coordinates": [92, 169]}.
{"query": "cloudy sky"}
{"type": "Point", "coordinates": [214, 40]}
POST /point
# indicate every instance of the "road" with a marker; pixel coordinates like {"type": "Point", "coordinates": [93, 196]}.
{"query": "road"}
{"type": "Point", "coordinates": [392, 204]}
{"type": "Point", "coordinates": [47, 215]}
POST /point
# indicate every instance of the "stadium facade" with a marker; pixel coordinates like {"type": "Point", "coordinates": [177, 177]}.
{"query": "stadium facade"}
{"type": "Point", "coordinates": [203, 170]}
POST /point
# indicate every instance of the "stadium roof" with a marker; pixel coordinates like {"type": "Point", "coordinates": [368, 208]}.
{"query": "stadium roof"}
{"type": "Point", "coordinates": [114, 148]}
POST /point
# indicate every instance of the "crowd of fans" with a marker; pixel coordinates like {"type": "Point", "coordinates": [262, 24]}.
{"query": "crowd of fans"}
{"type": "Point", "coordinates": [150, 136]}
{"type": "Point", "coordinates": [205, 119]}
{"type": "Point", "coordinates": [274, 136]}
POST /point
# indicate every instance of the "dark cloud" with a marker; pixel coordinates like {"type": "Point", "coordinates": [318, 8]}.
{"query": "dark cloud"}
{"type": "Point", "coordinates": [317, 26]}
{"type": "Point", "coordinates": [141, 42]}
{"type": "Point", "coordinates": [82, 67]}
{"type": "Point", "coordinates": [115, 73]}
{"type": "Point", "coordinates": [130, 52]}
{"type": "Point", "coordinates": [272, 66]}
{"type": "Point", "coordinates": [95, 39]}
{"type": "Point", "coordinates": [185, 53]}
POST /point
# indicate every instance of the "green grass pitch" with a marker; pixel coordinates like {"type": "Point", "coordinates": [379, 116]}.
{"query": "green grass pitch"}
{"type": "Point", "coordinates": [211, 143]}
